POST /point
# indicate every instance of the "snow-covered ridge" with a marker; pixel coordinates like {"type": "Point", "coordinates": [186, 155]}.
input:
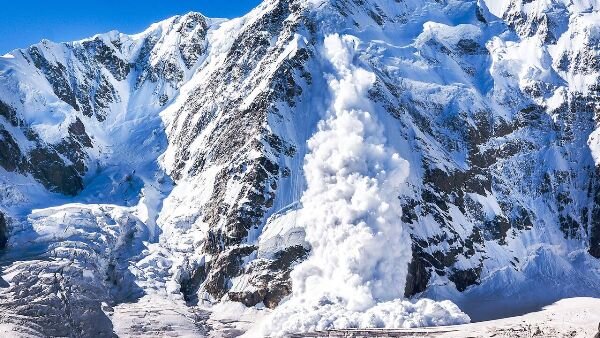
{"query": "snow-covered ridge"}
{"type": "Point", "coordinates": [186, 166]}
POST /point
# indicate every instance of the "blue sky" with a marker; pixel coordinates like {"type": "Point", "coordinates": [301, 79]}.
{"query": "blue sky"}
{"type": "Point", "coordinates": [25, 22]}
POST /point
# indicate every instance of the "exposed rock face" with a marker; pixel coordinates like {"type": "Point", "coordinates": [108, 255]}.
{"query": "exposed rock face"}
{"type": "Point", "coordinates": [44, 162]}
{"type": "Point", "coordinates": [548, 21]}
{"type": "Point", "coordinates": [503, 152]}
{"type": "Point", "coordinates": [237, 128]}
{"type": "Point", "coordinates": [3, 231]}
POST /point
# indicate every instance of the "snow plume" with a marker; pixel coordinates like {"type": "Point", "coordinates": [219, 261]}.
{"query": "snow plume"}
{"type": "Point", "coordinates": [356, 273]}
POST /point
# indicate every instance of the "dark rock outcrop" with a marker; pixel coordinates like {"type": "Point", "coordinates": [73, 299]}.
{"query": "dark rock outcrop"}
{"type": "Point", "coordinates": [50, 170]}
{"type": "Point", "coordinates": [3, 231]}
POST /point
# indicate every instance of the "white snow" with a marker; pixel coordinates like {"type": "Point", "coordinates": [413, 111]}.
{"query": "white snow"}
{"type": "Point", "coordinates": [154, 316]}
{"type": "Point", "coordinates": [570, 317]}
{"type": "Point", "coordinates": [281, 231]}
{"type": "Point", "coordinates": [356, 272]}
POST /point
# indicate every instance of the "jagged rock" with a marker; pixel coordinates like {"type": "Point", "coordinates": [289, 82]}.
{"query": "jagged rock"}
{"type": "Point", "coordinates": [106, 56]}
{"type": "Point", "coordinates": [418, 274]}
{"type": "Point", "coordinates": [3, 231]}
{"type": "Point", "coordinates": [56, 74]}
{"type": "Point", "coordinates": [50, 170]}
{"type": "Point", "coordinates": [11, 157]}
{"type": "Point", "coordinates": [9, 113]}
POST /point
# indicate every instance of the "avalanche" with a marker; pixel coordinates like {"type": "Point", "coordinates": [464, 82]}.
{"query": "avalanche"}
{"type": "Point", "coordinates": [356, 273]}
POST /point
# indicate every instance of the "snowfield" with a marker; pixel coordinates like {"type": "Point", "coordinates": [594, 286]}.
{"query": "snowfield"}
{"type": "Point", "coordinates": [571, 317]}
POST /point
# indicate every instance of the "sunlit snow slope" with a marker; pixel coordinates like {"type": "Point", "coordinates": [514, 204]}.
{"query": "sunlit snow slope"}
{"type": "Point", "coordinates": [326, 163]}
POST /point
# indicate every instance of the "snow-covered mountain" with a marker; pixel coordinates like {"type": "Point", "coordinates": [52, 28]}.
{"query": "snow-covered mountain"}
{"type": "Point", "coordinates": [318, 163]}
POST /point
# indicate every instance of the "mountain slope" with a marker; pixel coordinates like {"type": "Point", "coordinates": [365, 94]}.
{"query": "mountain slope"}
{"type": "Point", "coordinates": [439, 149]}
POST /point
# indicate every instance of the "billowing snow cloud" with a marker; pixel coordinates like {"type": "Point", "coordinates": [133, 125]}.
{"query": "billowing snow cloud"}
{"type": "Point", "coordinates": [356, 273]}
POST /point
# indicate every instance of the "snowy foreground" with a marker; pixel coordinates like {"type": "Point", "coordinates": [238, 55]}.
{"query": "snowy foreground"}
{"type": "Point", "coordinates": [572, 317]}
